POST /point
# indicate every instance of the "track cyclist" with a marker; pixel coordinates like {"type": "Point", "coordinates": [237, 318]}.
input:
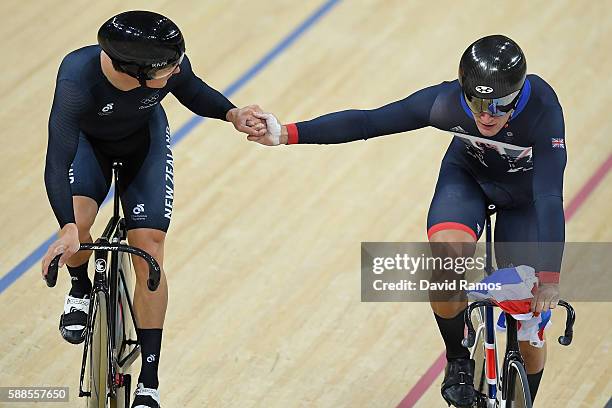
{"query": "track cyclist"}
{"type": "Point", "coordinates": [107, 107]}
{"type": "Point", "coordinates": [508, 148]}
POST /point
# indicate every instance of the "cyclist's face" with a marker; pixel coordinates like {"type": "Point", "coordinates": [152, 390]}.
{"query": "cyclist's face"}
{"type": "Point", "coordinates": [161, 82]}
{"type": "Point", "coordinates": [490, 125]}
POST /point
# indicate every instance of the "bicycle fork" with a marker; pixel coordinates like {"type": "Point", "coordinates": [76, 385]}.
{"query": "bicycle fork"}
{"type": "Point", "coordinates": [99, 290]}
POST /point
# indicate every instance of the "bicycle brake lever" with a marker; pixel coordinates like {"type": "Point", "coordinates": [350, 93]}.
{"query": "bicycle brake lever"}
{"type": "Point", "coordinates": [51, 277]}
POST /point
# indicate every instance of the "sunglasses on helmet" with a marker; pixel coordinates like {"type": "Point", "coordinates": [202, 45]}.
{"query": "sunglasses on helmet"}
{"type": "Point", "coordinates": [165, 71]}
{"type": "Point", "coordinates": [494, 106]}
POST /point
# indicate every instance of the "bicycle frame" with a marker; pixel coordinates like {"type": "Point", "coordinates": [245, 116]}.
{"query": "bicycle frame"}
{"type": "Point", "coordinates": [106, 281]}
{"type": "Point", "coordinates": [512, 352]}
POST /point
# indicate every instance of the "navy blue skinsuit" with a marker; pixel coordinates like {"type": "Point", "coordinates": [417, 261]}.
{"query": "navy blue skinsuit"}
{"type": "Point", "coordinates": [520, 169]}
{"type": "Point", "coordinates": [93, 123]}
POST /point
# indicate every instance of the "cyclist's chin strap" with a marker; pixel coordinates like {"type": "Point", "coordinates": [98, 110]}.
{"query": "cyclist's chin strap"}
{"type": "Point", "coordinates": [509, 119]}
{"type": "Point", "coordinates": [140, 75]}
{"type": "Point", "coordinates": [142, 79]}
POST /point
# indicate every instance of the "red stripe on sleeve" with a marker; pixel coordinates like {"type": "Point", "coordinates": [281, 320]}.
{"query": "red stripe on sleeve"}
{"type": "Point", "coordinates": [293, 136]}
{"type": "Point", "coordinates": [548, 277]}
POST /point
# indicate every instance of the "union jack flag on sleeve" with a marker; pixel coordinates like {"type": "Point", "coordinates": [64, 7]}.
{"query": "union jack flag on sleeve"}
{"type": "Point", "coordinates": [558, 143]}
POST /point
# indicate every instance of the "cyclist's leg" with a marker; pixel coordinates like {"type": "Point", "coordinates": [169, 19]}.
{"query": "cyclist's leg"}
{"type": "Point", "coordinates": [451, 243]}
{"type": "Point", "coordinates": [150, 307]}
{"type": "Point", "coordinates": [535, 359]}
{"type": "Point", "coordinates": [518, 225]}
{"type": "Point", "coordinates": [90, 179]}
{"type": "Point", "coordinates": [89, 186]}
{"type": "Point", "coordinates": [147, 203]}
{"type": "Point", "coordinates": [454, 223]}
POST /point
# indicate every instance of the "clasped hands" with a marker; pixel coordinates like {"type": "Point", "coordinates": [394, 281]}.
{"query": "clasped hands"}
{"type": "Point", "coordinates": [260, 127]}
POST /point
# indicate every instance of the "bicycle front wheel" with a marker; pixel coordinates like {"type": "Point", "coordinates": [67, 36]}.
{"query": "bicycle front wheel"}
{"type": "Point", "coordinates": [98, 354]}
{"type": "Point", "coordinates": [124, 330]}
{"type": "Point", "coordinates": [518, 387]}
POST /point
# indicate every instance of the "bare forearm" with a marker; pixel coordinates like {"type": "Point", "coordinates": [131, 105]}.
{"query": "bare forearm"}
{"type": "Point", "coordinates": [284, 137]}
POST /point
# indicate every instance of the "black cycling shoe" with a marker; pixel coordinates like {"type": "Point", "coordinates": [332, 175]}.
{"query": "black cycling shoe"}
{"type": "Point", "coordinates": [458, 385]}
{"type": "Point", "coordinates": [73, 321]}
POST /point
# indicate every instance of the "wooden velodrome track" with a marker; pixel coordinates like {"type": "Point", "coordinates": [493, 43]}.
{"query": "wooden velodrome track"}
{"type": "Point", "coordinates": [263, 251]}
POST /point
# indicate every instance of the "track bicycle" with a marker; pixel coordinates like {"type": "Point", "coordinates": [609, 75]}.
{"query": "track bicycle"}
{"type": "Point", "coordinates": [111, 344]}
{"type": "Point", "coordinates": [508, 387]}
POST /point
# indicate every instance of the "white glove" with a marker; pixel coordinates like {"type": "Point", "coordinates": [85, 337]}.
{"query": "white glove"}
{"type": "Point", "coordinates": [274, 128]}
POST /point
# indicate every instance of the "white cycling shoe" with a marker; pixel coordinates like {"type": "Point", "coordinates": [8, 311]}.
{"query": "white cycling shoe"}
{"type": "Point", "coordinates": [145, 397]}
{"type": "Point", "coordinates": [74, 319]}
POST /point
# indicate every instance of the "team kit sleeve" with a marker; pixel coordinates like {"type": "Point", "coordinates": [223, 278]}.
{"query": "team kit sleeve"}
{"type": "Point", "coordinates": [410, 113]}
{"type": "Point", "coordinates": [69, 102]}
{"type": "Point", "coordinates": [198, 97]}
{"type": "Point", "coordinates": [549, 159]}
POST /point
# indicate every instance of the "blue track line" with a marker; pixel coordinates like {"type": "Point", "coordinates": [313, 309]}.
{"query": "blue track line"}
{"type": "Point", "coordinates": [184, 130]}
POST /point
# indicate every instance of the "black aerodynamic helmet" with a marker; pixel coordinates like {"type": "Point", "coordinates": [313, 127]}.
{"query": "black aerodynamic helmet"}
{"type": "Point", "coordinates": [492, 72]}
{"type": "Point", "coordinates": [142, 44]}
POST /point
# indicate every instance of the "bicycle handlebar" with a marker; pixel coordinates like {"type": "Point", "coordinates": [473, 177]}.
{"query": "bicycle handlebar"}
{"type": "Point", "coordinates": [154, 269]}
{"type": "Point", "coordinates": [570, 318]}
{"type": "Point", "coordinates": [564, 340]}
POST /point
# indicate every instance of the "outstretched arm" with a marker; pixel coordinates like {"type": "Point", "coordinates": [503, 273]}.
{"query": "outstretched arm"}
{"type": "Point", "coordinates": [203, 100]}
{"type": "Point", "coordinates": [410, 113]}
{"type": "Point", "coordinates": [197, 96]}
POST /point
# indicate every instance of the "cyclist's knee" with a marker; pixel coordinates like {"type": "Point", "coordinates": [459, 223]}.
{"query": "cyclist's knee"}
{"type": "Point", "coordinates": [449, 243]}
{"type": "Point", "coordinates": [453, 243]}
{"type": "Point", "coordinates": [150, 241]}
{"type": "Point", "coordinates": [535, 357]}
{"type": "Point", "coordinates": [448, 310]}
